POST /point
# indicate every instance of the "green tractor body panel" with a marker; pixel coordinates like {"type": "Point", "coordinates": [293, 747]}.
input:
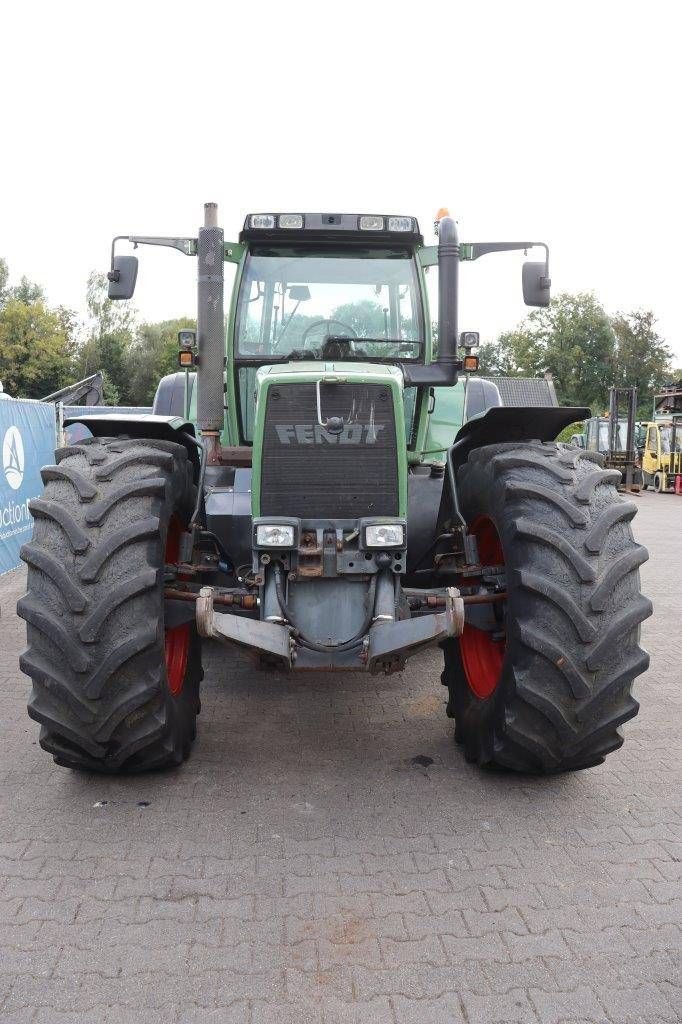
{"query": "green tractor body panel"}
{"type": "Point", "coordinates": [443, 422]}
{"type": "Point", "coordinates": [309, 434]}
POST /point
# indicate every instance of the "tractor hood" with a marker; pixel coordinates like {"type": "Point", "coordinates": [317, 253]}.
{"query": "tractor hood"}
{"type": "Point", "coordinates": [319, 369]}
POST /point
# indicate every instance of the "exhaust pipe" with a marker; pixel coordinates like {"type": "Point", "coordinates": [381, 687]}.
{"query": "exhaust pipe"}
{"type": "Point", "coordinates": [448, 297]}
{"type": "Point", "coordinates": [211, 331]}
{"type": "Point", "coordinates": [442, 373]}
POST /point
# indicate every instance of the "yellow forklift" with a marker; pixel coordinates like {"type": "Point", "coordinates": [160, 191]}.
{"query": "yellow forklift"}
{"type": "Point", "coordinates": [662, 454]}
{"type": "Point", "coordinates": [662, 458]}
{"type": "Point", "coordinates": [614, 436]}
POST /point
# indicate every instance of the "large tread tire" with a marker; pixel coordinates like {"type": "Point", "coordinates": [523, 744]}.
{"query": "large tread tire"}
{"type": "Point", "coordinates": [572, 615]}
{"type": "Point", "coordinates": [94, 609]}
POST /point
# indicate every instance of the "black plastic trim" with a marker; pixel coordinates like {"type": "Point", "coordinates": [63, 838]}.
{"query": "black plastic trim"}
{"type": "Point", "coordinates": [511, 424]}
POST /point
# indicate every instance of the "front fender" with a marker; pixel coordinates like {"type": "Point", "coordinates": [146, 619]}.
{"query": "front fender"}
{"type": "Point", "coordinates": [503, 424]}
{"type": "Point", "coordinates": [158, 428]}
{"type": "Point", "coordinates": [513, 423]}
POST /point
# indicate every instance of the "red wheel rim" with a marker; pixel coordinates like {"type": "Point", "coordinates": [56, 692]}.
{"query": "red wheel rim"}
{"type": "Point", "coordinates": [482, 657]}
{"type": "Point", "coordinates": [177, 640]}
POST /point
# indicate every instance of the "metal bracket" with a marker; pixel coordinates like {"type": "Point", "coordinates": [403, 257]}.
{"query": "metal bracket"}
{"type": "Point", "coordinates": [270, 637]}
{"type": "Point", "coordinates": [187, 246]}
{"type": "Point", "coordinates": [400, 638]}
{"type": "Point", "coordinates": [474, 250]}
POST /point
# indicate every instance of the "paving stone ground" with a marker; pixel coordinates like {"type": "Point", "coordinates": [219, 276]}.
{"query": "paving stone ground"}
{"type": "Point", "coordinates": [301, 868]}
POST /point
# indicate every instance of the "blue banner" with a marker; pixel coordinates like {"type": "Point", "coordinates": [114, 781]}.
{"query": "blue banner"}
{"type": "Point", "coordinates": [27, 442]}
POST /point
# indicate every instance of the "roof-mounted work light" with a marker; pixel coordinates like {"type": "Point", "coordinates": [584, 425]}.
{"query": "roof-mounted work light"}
{"type": "Point", "coordinates": [290, 220]}
{"type": "Point", "coordinates": [263, 221]}
{"type": "Point", "coordinates": [370, 222]}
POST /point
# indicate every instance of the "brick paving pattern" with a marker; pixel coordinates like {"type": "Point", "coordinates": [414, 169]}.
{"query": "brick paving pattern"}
{"type": "Point", "coordinates": [301, 867]}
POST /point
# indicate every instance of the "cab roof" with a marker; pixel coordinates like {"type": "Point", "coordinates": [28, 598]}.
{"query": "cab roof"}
{"type": "Point", "coordinates": [349, 228]}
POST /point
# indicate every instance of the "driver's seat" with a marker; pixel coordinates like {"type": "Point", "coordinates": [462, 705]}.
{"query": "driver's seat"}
{"type": "Point", "coordinates": [337, 348]}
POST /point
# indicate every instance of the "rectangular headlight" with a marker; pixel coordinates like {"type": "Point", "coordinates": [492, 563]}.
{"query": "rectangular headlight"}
{"type": "Point", "coordinates": [274, 535]}
{"type": "Point", "coordinates": [291, 220]}
{"type": "Point", "coordinates": [399, 223]}
{"type": "Point", "coordinates": [385, 535]}
{"type": "Point", "coordinates": [371, 223]}
{"type": "Point", "coordinates": [262, 220]}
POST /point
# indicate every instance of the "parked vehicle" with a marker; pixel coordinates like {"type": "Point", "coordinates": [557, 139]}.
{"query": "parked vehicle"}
{"type": "Point", "coordinates": [615, 437]}
{"type": "Point", "coordinates": [662, 458]}
{"type": "Point", "coordinates": [336, 512]}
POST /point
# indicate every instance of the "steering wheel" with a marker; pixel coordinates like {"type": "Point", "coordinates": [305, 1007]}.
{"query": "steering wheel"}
{"type": "Point", "coordinates": [318, 323]}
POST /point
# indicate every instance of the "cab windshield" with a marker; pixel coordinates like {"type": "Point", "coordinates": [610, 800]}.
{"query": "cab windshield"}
{"type": "Point", "coordinates": [305, 304]}
{"type": "Point", "coordinates": [668, 442]}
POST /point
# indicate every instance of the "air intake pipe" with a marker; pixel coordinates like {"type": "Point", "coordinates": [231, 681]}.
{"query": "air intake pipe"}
{"type": "Point", "coordinates": [211, 331]}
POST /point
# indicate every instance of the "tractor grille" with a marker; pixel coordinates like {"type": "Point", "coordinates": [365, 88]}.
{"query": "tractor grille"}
{"type": "Point", "coordinates": [313, 473]}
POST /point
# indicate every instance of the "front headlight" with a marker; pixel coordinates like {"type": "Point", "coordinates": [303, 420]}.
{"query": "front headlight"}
{"type": "Point", "coordinates": [275, 536]}
{"type": "Point", "coordinates": [385, 535]}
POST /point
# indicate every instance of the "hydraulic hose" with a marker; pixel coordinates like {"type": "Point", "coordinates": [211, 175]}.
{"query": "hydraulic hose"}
{"type": "Point", "coordinates": [312, 644]}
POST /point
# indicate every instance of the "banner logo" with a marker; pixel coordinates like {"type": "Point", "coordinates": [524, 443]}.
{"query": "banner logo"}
{"type": "Point", "coordinates": [13, 458]}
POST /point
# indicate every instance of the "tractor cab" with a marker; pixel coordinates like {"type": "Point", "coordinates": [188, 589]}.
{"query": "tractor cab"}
{"type": "Point", "coordinates": [338, 290]}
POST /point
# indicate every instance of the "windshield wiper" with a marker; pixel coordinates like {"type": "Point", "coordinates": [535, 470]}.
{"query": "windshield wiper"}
{"type": "Point", "coordinates": [372, 341]}
{"type": "Point", "coordinates": [322, 353]}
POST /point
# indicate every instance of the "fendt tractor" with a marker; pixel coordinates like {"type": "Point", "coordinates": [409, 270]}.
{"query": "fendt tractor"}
{"type": "Point", "coordinates": [312, 494]}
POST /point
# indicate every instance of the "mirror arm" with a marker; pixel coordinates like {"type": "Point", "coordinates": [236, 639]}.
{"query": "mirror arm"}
{"type": "Point", "coordinates": [115, 275]}
{"type": "Point", "coordinates": [188, 246]}
{"type": "Point", "coordinates": [473, 250]}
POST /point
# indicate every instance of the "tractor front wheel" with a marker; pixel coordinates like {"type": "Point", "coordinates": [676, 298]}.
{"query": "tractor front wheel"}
{"type": "Point", "coordinates": [541, 681]}
{"type": "Point", "coordinates": [115, 685]}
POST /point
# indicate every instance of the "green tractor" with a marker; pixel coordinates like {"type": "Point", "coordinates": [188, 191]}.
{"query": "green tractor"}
{"type": "Point", "coordinates": [323, 484]}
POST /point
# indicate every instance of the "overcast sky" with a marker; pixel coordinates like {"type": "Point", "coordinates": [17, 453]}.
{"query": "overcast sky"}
{"type": "Point", "coordinates": [555, 121]}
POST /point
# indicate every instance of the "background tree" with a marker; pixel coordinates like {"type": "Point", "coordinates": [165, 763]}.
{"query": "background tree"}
{"type": "Point", "coordinates": [515, 354]}
{"type": "Point", "coordinates": [370, 319]}
{"type": "Point", "coordinates": [573, 339]}
{"type": "Point", "coordinates": [153, 354]}
{"type": "Point", "coordinates": [36, 343]}
{"type": "Point", "coordinates": [366, 317]}
{"type": "Point", "coordinates": [109, 390]}
{"type": "Point", "coordinates": [27, 291]}
{"type": "Point", "coordinates": [110, 336]}
{"type": "Point", "coordinates": [4, 278]}
{"type": "Point", "coordinates": [642, 357]}
{"type": "Point", "coordinates": [36, 349]}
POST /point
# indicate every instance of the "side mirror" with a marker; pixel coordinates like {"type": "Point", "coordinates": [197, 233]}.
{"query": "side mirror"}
{"type": "Point", "coordinates": [299, 292]}
{"type": "Point", "coordinates": [122, 277]}
{"type": "Point", "coordinates": [536, 284]}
